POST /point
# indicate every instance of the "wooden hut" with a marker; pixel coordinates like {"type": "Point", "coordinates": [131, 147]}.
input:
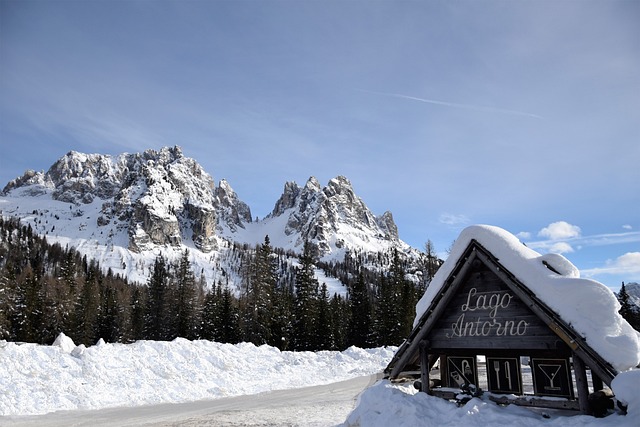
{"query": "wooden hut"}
{"type": "Point", "coordinates": [496, 301]}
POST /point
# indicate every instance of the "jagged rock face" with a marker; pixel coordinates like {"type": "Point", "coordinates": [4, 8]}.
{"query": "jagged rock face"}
{"type": "Point", "coordinates": [34, 183]}
{"type": "Point", "coordinates": [323, 215]}
{"type": "Point", "coordinates": [79, 178]}
{"type": "Point", "coordinates": [287, 200]}
{"type": "Point", "coordinates": [161, 195]}
{"type": "Point", "coordinates": [232, 212]}
{"type": "Point", "coordinates": [163, 198]}
{"type": "Point", "coordinates": [388, 226]}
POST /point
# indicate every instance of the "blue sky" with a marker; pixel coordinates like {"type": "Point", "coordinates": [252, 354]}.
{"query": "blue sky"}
{"type": "Point", "coordinates": [524, 115]}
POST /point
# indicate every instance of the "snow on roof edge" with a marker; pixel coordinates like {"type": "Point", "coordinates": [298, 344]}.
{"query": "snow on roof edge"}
{"type": "Point", "coordinates": [588, 306]}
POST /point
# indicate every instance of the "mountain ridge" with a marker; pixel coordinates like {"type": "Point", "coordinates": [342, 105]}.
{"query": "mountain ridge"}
{"type": "Point", "coordinates": [121, 210]}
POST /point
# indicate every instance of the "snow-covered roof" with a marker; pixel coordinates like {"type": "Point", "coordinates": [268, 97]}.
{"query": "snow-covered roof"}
{"type": "Point", "coordinates": [587, 306]}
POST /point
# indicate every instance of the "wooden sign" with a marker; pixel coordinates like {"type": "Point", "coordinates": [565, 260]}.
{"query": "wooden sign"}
{"type": "Point", "coordinates": [503, 375]}
{"type": "Point", "coordinates": [486, 314]}
{"type": "Point", "coordinates": [551, 377]}
{"type": "Point", "coordinates": [461, 371]}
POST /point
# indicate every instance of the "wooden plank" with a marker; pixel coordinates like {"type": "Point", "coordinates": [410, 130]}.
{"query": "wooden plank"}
{"type": "Point", "coordinates": [424, 367]}
{"type": "Point", "coordinates": [581, 383]}
{"type": "Point", "coordinates": [597, 382]}
{"type": "Point", "coordinates": [445, 394]}
{"type": "Point", "coordinates": [538, 403]}
{"type": "Point", "coordinates": [485, 313]}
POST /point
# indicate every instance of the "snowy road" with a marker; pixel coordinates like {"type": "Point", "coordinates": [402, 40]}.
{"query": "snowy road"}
{"type": "Point", "coordinates": [325, 405]}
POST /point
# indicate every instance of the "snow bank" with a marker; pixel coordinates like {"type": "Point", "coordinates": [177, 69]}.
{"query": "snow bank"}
{"type": "Point", "coordinates": [386, 404]}
{"type": "Point", "coordinates": [588, 306]}
{"type": "Point", "coordinates": [626, 387]}
{"type": "Point", "coordinates": [37, 379]}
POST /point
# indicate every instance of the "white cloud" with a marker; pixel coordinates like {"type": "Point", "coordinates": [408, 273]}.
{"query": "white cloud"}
{"type": "Point", "coordinates": [628, 263]}
{"type": "Point", "coordinates": [560, 230]}
{"type": "Point", "coordinates": [524, 235]}
{"type": "Point", "coordinates": [560, 248]}
{"type": "Point", "coordinates": [589, 241]}
{"type": "Point", "coordinates": [453, 219]}
{"type": "Point", "coordinates": [627, 227]}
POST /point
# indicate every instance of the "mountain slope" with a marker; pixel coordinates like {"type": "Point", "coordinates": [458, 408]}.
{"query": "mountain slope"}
{"type": "Point", "coordinates": [334, 218]}
{"type": "Point", "coordinates": [125, 210]}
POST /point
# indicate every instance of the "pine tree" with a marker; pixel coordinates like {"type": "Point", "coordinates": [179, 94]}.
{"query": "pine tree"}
{"type": "Point", "coordinates": [305, 309]}
{"type": "Point", "coordinates": [282, 318]}
{"type": "Point", "coordinates": [262, 286]}
{"type": "Point", "coordinates": [339, 309]}
{"type": "Point", "coordinates": [395, 305]}
{"type": "Point", "coordinates": [187, 303]}
{"type": "Point", "coordinates": [386, 324]}
{"type": "Point", "coordinates": [29, 303]}
{"type": "Point", "coordinates": [5, 307]}
{"type": "Point", "coordinates": [108, 317]}
{"type": "Point", "coordinates": [228, 330]}
{"type": "Point", "coordinates": [625, 305]}
{"type": "Point", "coordinates": [627, 310]}
{"type": "Point", "coordinates": [210, 313]}
{"type": "Point", "coordinates": [138, 310]}
{"type": "Point", "coordinates": [325, 340]}
{"type": "Point", "coordinates": [407, 300]}
{"type": "Point", "coordinates": [430, 265]}
{"type": "Point", "coordinates": [156, 327]}
{"type": "Point", "coordinates": [86, 312]}
{"type": "Point", "coordinates": [359, 331]}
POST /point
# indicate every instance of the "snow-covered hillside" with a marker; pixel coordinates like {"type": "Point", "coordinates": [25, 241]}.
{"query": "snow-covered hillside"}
{"type": "Point", "coordinates": [126, 210]}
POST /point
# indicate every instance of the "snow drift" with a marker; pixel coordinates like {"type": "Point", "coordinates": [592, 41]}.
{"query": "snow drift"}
{"type": "Point", "coordinates": [38, 379]}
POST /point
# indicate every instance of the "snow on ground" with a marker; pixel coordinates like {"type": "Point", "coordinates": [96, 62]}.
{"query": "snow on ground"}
{"type": "Point", "coordinates": [37, 379]}
{"type": "Point", "coordinates": [386, 404]}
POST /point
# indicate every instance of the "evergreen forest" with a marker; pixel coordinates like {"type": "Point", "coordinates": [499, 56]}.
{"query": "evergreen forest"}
{"type": "Point", "coordinates": [46, 289]}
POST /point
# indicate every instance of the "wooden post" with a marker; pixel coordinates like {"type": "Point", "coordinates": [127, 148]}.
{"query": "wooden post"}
{"type": "Point", "coordinates": [424, 367]}
{"type": "Point", "coordinates": [597, 382]}
{"type": "Point", "coordinates": [581, 383]}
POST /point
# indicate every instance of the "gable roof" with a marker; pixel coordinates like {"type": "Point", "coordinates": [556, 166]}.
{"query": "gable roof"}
{"type": "Point", "coordinates": [581, 312]}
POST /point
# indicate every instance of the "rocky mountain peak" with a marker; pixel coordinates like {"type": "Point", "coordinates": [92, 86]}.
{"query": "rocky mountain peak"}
{"type": "Point", "coordinates": [160, 197]}
{"type": "Point", "coordinates": [232, 212]}
{"type": "Point", "coordinates": [331, 215]}
{"type": "Point", "coordinates": [287, 200]}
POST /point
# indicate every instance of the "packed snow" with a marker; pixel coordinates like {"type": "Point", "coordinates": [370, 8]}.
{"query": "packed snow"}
{"type": "Point", "coordinates": [38, 379]}
{"type": "Point", "coordinates": [588, 306]}
{"type": "Point", "coordinates": [401, 405]}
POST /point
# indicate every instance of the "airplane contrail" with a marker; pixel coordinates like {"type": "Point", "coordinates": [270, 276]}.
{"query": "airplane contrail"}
{"type": "Point", "coordinates": [456, 105]}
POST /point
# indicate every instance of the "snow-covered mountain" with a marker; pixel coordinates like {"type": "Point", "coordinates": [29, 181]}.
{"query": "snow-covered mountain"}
{"type": "Point", "coordinates": [124, 210]}
{"type": "Point", "coordinates": [334, 218]}
{"type": "Point", "coordinates": [157, 197]}
{"type": "Point", "coordinates": [633, 290]}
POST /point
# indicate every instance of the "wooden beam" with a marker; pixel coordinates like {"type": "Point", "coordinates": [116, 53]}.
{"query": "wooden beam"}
{"type": "Point", "coordinates": [536, 402]}
{"type": "Point", "coordinates": [581, 383]}
{"type": "Point", "coordinates": [424, 367]}
{"type": "Point", "coordinates": [597, 382]}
